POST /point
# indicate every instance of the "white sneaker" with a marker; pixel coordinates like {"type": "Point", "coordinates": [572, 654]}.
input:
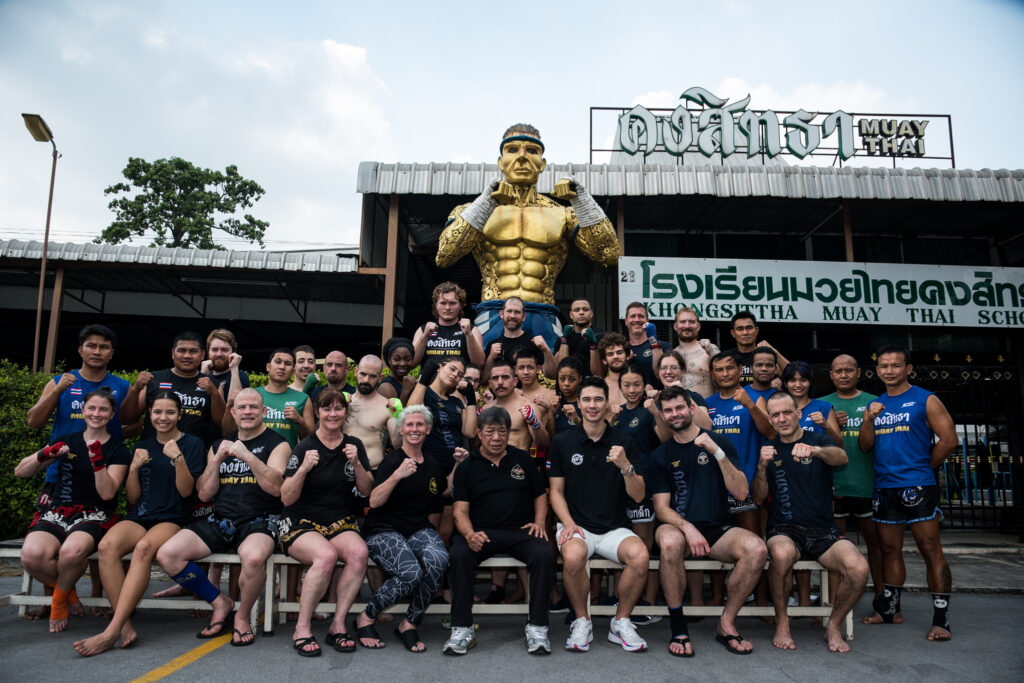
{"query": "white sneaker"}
{"type": "Point", "coordinates": [537, 642]}
{"type": "Point", "coordinates": [623, 632]}
{"type": "Point", "coordinates": [463, 638]}
{"type": "Point", "coordinates": [581, 634]}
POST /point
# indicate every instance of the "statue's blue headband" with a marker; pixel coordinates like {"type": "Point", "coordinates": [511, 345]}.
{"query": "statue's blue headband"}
{"type": "Point", "coordinates": [524, 138]}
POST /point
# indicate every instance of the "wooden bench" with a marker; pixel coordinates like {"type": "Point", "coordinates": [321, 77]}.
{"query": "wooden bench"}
{"type": "Point", "coordinates": [283, 607]}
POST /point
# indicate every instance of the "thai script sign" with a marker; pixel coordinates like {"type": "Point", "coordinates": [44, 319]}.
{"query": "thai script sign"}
{"type": "Point", "coordinates": [825, 291]}
{"type": "Point", "coordinates": [725, 128]}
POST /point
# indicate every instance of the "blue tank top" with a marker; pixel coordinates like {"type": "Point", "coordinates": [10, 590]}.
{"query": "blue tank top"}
{"type": "Point", "coordinates": [815, 406]}
{"type": "Point", "coordinates": [730, 419]}
{"type": "Point", "coordinates": [67, 418]}
{"type": "Point", "coordinates": [903, 441]}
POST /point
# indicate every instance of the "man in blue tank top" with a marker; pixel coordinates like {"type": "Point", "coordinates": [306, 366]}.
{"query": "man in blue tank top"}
{"type": "Point", "coordinates": [900, 426]}
{"type": "Point", "coordinates": [63, 398]}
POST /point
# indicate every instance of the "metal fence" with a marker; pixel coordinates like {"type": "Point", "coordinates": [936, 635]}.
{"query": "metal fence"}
{"type": "Point", "coordinates": [980, 484]}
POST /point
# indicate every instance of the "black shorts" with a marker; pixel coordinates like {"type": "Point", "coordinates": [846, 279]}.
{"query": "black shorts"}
{"type": "Point", "coordinates": [852, 506]}
{"type": "Point", "coordinates": [290, 529]}
{"type": "Point", "coordinates": [812, 542]}
{"type": "Point", "coordinates": [63, 520]}
{"type": "Point", "coordinates": [147, 523]}
{"type": "Point", "coordinates": [642, 512]}
{"type": "Point", "coordinates": [223, 536]}
{"type": "Point", "coordinates": [907, 505]}
{"type": "Point", "coordinates": [713, 533]}
{"type": "Point", "coordinates": [200, 511]}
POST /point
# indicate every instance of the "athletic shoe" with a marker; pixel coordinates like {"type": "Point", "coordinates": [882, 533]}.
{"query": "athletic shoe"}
{"type": "Point", "coordinates": [645, 619]}
{"type": "Point", "coordinates": [459, 643]}
{"type": "Point", "coordinates": [537, 642]}
{"type": "Point", "coordinates": [581, 634]}
{"type": "Point", "coordinates": [624, 633]}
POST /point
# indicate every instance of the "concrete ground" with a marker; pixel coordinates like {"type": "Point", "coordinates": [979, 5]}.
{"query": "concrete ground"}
{"type": "Point", "coordinates": [988, 575]}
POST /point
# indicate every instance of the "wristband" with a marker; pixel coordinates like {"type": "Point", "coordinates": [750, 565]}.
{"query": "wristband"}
{"type": "Point", "coordinates": [51, 451]}
{"type": "Point", "coordinates": [719, 455]}
{"type": "Point", "coordinates": [175, 459]}
{"type": "Point", "coordinates": [96, 456]}
{"type": "Point", "coordinates": [396, 411]}
{"type": "Point", "coordinates": [531, 418]}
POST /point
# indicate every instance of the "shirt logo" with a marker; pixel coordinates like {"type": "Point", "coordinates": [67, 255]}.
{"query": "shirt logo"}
{"type": "Point", "coordinates": [576, 459]}
{"type": "Point", "coordinates": [909, 404]}
{"type": "Point", "coordinates": [702, 459]}
{"type": "Point", "coordinates": [647, 353]}
{"type": "Point", "coordinates": [165, 385]}
{"type": "Point", "coordinates": [806, 461]}
{"type": "Point", "coordinates": [518, 474]}
{"type": "Point", "coordinates": [76, 392]}
{"type": "Point", "coordinates": [675, 463]}
{"type": "Point", "coordinates": [293, 462]}
{"type": "Point", "coordinates": [635, 422]}
{"type": "Point", "coordinates": [432, 487]}
{"type": "Point", "coordinates": [350, 471]}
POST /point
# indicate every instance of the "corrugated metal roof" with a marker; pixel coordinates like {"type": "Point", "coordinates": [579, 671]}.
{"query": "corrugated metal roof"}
{"type": "Point", "coordinates": [288, 261]}
{"type": "Point", "coordinates": [793, 182]}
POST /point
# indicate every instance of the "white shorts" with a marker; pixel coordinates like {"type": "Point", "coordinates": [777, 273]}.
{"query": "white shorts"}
{"type": "Point", "coordinates": [605, 545]}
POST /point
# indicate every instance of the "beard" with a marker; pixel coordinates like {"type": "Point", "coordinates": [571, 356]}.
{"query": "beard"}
{"type": "Point", "coordinates": [365, 388]}
{"type": "Point", "coordinates": [682, 425]}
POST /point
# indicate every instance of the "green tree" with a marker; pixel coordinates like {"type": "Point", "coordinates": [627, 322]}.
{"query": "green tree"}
{"type": "Point", "coordinates": [181, 205]}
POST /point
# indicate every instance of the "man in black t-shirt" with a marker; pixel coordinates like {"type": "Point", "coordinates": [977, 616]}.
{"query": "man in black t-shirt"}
{"type": "Point", "coordinates": [514, 338]}
{"type": "Point", "coordinates": [580, 338]}
{"type": "Point", "coordinates": [592, 476]}
{"type": "Point", "coordinates": [745, 330]}
{"type": "Point", "coordinates": [796, 469]}
{"type": "Point", "coordinates": [202, 404]}
{"type": "Point", "coordinates": [500, 507]}
{"type": "Point", "coordinates": [243, 478]}
{"type": "Point", "coordinates": [691, 476]}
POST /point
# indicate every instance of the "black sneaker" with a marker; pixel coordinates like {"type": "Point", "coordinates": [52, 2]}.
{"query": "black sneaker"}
{"type": "Point", "coordinates": [560, 605]}
{"type": "Point", "coordinates": [644, 619]}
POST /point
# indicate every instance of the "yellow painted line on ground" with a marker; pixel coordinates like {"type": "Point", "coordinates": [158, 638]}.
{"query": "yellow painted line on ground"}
{"type": "Point", "coordinates": [184, 660]}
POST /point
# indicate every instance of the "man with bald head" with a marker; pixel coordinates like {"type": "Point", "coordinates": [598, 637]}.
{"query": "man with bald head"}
{"type": "Point", "coordinates": [243, 477]}
{"type": "Point", "coordinates": [369, 418]}
{"type": "Point", "coordinates": [335, 372]}
{"type": "Point", "coordinates": [854, 483]}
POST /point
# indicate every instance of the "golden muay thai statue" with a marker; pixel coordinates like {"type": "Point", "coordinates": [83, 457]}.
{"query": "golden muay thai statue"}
{"type": "Point", "coordinates": [520, 239]}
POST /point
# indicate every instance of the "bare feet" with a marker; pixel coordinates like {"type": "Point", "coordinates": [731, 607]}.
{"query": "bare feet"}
{"type": "Point", "coordinates": [102, 612]}
{"type": "Point", "coordinates": [128, 635]}
{"type": "Point", "coordinates": [936, 633]}
{"type": "Point", "coordinates": [835, 640]}
{"type": "Point", "coordinates": [876, 618]}
{"type": "Point", "coordinates": [680, 647]}
{"type": "Point", "coordinates": [58, 625]}
{"type": "Point", "coordinates": [41, 612]}
{"type": "Point", "coordinates": [75, 608]}
{"type": "Point", "coordinates": [174, 591]}
{"type": "Point", "coordinates": [783, 638]}
{"type": "Point", "coordinates": [95, 645]}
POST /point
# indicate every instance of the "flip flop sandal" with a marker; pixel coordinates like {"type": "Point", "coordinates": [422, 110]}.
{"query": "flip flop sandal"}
{"type": "Point", "coordinates": [220, 626]}
{"type": "Point", "coordinates": [240, 642]}
{"type": "Point", "coordinates": [726, 640]}
{"type": "Point", "coordinates": [410, 639]}
{"type": "Point", "coordinates": [341, 642]}
{"type": "Point", "coordinates": [300, 644]}
{"type": "Point", "coordinates": [367, 632]}
{"type": "Point", "coordinates": [680, 640]}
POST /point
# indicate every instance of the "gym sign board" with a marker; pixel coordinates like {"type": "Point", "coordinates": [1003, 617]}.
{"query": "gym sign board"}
{"type": "Point", "coordinates": [725, 128]}
{"type": "Point", "coordinates": [825, 291]}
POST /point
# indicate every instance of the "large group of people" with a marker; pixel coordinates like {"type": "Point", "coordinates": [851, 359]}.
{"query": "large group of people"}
{"type": "Point", "coordinates": [609, 444]}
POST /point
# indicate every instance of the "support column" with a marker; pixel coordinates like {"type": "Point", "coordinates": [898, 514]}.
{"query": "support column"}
{"type": "Point", "coordinates": [390, 276]}
{"type": "Point", "coordinates": [847, 231]}
{"type": "Point", "coordinates": [56, 303]}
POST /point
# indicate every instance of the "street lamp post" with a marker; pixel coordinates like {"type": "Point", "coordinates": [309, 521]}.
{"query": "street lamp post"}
{"type": "Point", "coordinates": [42, 133]}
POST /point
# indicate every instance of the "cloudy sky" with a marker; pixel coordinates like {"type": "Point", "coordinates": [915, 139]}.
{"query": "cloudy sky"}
{"type": "Point", "coordinates": [297, 94]}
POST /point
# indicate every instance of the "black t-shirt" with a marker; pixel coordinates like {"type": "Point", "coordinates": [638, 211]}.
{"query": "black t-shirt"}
{"type": "Point", "coordinates": [76, 481]}
{"type": "Point", "coordinates": [580, 347]}
{"type": "Point", "coordinates": [396, 384]}
{"type": "Point", "coordinates": [446, 341]}
{"type": "Point", "coordinates": [562, 423]}
{"type": "Point", "coordinates": [446, 433]}
{"type": "Point", "coordinates": [645, 359]}
{"type": "Point", "coordinates": [160, 499]}
{"type": "Point", "coordinates": [223, 381]}
{"type": "Point", "coordinates": [510, 345]}
{"type": "Point", "coordinates": [240, 497]}
{"type": "Point", "coordinates": [327, 492]}
{"type": "Point", "coordinates": [694, 478]}
{"type": "Point", "coordinates": [801, 491]}
{"type": "Point", "coordinates": [500, 496]}
{"type": "Point", "coordinates": [697, 399]}
{"type": "Point", "coordinates": [413, 499]}
{"type": "Point", "coordinates": [196, 412]}
{"type": "Point", "coordinates": [639, 425]}
{"type": "Point", "coordinates": [746, 361]}
{"type": "Point", "coordinates": [595, 489]}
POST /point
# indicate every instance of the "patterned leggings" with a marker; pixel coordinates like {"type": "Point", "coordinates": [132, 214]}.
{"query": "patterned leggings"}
{"type": "Point", "coordinates": [414, 565]}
